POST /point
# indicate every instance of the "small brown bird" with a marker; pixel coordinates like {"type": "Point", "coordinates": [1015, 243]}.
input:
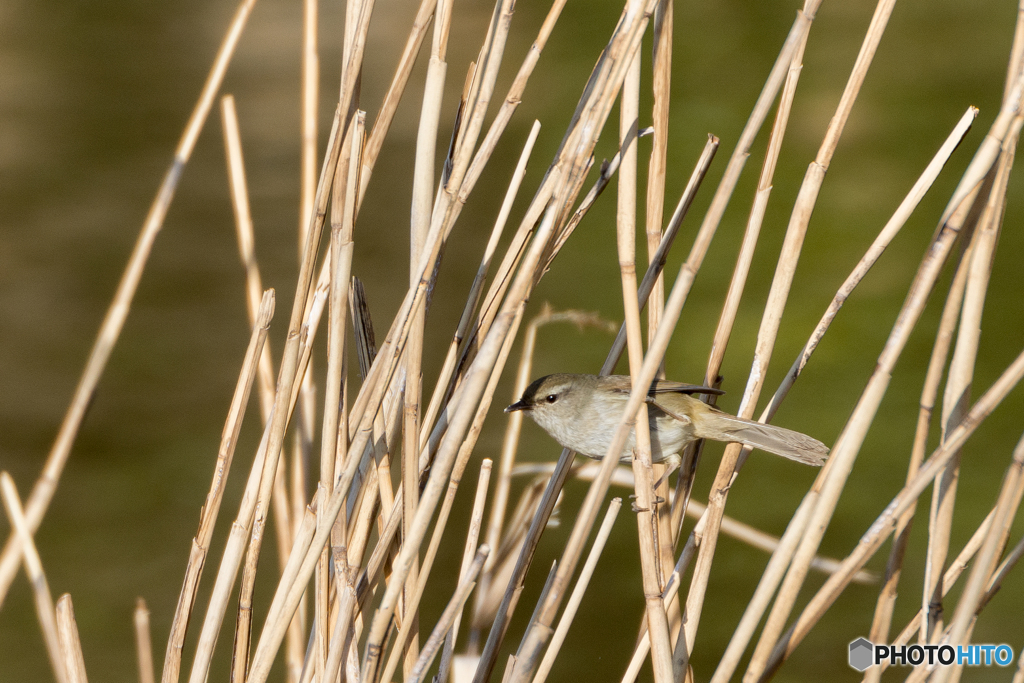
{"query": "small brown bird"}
{"type": "Point", "coordinates": [581, 413]}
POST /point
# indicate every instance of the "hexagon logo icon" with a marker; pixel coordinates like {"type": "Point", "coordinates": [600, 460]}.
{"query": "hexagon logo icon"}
{"type": "Point", "coordinates": [861, 654]}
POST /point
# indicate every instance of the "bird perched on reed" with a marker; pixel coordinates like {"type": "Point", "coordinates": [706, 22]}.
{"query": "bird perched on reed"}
{"type": "Point", "coordinates": [581, 413]}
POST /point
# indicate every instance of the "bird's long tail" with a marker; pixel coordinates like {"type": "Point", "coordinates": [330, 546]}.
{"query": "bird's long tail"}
{"type": "Point", "coordinates": [721, 426]}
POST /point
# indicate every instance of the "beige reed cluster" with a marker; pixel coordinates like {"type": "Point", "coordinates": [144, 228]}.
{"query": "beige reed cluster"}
{"type": "Point", "coordinates": [358, 549]}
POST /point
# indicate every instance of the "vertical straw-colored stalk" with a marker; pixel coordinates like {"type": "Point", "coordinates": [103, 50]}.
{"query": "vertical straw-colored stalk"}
{"type": "Point", "coordinates": [572, 605]}
{"type": "Point", "coordinates": [958, 383]}
{"type": "Point", "coordinates": [71, 643]}
{"type": "Point", "coordinates": [776, 301]}
{"type": "Point", "coordinates": [342, 225]}
{"type": "Point", "coordinates": [254, 293]}
{"type": "Point", "coordinates": [988, 556]}
{"type": "Point", "coordinates": [795, 38]}
{"type": "Point", "coordinates": [45, 611]}
{"type": "Point", "coordinates": [389, 106]}
{"type": "Point", "coordinates": [661, 86]}
{"type": "Point", "coordinates": [335, 432]}
{"type": "Point", "coordinates": [647, 514]}
{"type": "Point", "coordinates": [310, 97]}
{"type": "Point", "coordinates": [113, 322]}
{"type": "Point", "coordinates": [882, 619]}
{"type": "Point", "coordinates": [422, 199]}
{"type": "Point", "coordinates": [143, 643]}
{"type": "Point", "coordinates": [661, 68]}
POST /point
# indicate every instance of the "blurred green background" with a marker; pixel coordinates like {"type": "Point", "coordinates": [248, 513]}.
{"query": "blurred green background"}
{"type": "Point", "coordinates": [93, 97]}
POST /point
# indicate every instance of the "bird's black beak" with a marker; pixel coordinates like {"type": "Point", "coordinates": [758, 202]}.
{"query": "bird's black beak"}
{"type": "Point", "coordinates": [518, 405]}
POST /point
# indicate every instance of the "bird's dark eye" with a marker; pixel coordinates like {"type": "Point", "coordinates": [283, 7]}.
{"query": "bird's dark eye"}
{"type": "Point", "coordinates": [551, 398]}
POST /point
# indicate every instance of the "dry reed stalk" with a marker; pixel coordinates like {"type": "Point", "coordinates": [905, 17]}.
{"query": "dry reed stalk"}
{"type": "Point", "coordinates": [472, 537]}
{"type": "Point", "coordinates": [417, 591]}
{"type": "Point", "coordinates": [566, 178]}
{"type": "Point", "coordinates": [874, 252]}
{"type": "Point", "coordinates": [401, 315]}
{"type": "Point", "coordinates": [286, 600]}
{"type": "Point", "coordinates": [661, 71]}
{"type": "Point", "coordinates": [252, 512]}
{"type": "Point", "coordinates": [671, 590]}
{"type": "Point", "coordinates": [647, 515]}
{"type": "Point", "coordinates": [958, 383]}
{"type": "Point", "coordinates": [342, 246]}
{"type": "Point", "coordinates": [211, 507]}
{"type": "Point", "coordinates": [389, 106]}
{"type": "Point", "coordinates": [572, 605]}
{"type": "Point", "coordinates": [840, 462]}
{"type": "Point", "coordinates": [737, 160]}
{"type": "Point", "coordinates": [949, 579]}
{"type": "Point", "coordinates": [777, 297]}
{"type": "Point", "coordinates": [474, 387]}
{"type": "Point", "coordinates": [742, 268]}
{"type": "Point", "coordinates": [513, 426]}
{"type": "Point", "coordinates": [971, 601]}
{"type": "Point", "coordinates": [957, 567]}
{"type": "Point", "coordinates": [882, 527]}
{"type": "Point", "coordinates": [546, 505]}
{"type": "Point", "coordinates": [254, 292]}
{"type": "Point", "coordinates": [422, 194]}
{"type": "Point", "coordinates": [660, 258]}
{"type": "Point", "coordinates": [514, 540]}
{"type": "Point", "coordinates": [736, 529]}
{"type": "Point", "coordinates": [113, 321]}
{"type": "Point", "coordinates": [756, 217]}
{"type": "Point", "coordinates": [772, 574]}
{"type": "Point", "coordinates": [993, 587]}
{"type": "Point", "coordinates": [302, 352]}
{"type": "Point", "coordinates": [452, 195]}
{"type": "Point", "coordinates": [71, 644]}
{"type": "Point", "coordinates": [45, 610]}
{"type": "Point", "coordinates": [304, 434]}
{"type": "Point", "coordinates": [724, 331]}
{"type": "Point", "coordinates": [516, 250]}
{"type": "Point", "coordinates": [342, 634]}
{"type": "Point", "coordinates": [661, 88]}
{"type": "Point", "coordinates": [1008, 563]}
{"type": "Point", "coordinates": [982, 571]}
{"type": "Point", "coordinates": [446, 376]}
{"type": "Point", "coordinates": [310, 106]}
{"type": "Point", "coordinates": [143, 643]}
{"type": "Point", "coordinates": [431, 553]}
{"type": "Point", "coordinates": [246, 244]}
{"type": "Point", "coordinates": [882, 619]}
{"type": "Point", "coordinates": [448, 616]}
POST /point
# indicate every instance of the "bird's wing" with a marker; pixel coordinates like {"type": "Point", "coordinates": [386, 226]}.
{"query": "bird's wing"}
{"type": "Point", "coordinates": [664, 386]}
{"type": "Point", "coordinates": [621, 384]}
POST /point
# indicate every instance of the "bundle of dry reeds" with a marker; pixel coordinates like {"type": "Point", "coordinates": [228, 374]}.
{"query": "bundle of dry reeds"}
{"type": "Point", "coordinates": [356, 549]}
